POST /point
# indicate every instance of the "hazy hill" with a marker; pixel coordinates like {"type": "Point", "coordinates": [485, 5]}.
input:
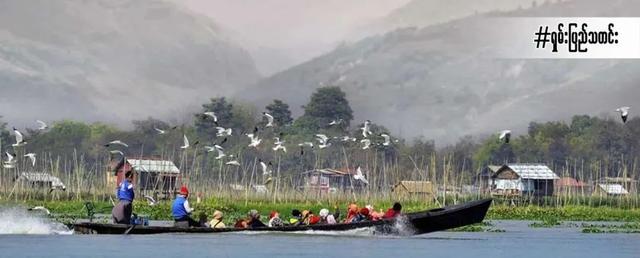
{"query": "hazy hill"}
{"type": "Point", "coordinates": [443, 82]}
{"type": "Point", "coordinates": [421, 13]}
{"type": "Point", "coordinates": [111, 60]}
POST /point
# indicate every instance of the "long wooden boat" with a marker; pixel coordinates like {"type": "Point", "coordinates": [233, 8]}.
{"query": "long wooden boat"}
{"type": "Point", "coordinates": [411, 223]}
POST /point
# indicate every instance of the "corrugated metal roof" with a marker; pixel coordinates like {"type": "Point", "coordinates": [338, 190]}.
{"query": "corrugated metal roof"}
{"type": "Point", "coordinates": [42, 177]}
{"type": "Point", "coordinates": [159, 166]}
{"type": "Point", "coordinates": [533, 171]}
{"type": "Point", "coordinates": [613, 188]}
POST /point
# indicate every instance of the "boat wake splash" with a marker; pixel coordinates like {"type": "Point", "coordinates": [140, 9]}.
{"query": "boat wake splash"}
{"type": "Point", "coordinates": [20, 221]}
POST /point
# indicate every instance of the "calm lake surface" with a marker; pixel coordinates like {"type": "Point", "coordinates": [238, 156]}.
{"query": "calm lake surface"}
{"type": "Point", "coordinates": [518, 241]}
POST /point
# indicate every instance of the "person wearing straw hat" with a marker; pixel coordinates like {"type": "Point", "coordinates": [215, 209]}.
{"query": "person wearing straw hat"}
{"type": "Point", "coordinates": [216, 222]}
{"type": "Point", "coordinates": [181, 210]}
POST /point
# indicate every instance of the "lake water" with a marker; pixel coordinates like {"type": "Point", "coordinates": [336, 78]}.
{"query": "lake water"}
{"type": "Point", "coordinates": [30, 239]}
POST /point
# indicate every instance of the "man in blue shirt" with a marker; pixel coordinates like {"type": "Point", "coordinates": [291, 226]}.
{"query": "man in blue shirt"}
{"type": "Point", "coordinates": [122, 211]}
{"type": "Point", "coordinates": [181, 210]}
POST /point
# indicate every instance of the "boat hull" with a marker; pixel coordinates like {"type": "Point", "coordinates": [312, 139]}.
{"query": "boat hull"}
{"type": "Point", "coordinates": [416, 223]}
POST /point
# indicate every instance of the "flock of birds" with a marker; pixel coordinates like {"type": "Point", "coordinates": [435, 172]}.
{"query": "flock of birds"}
{"type": "Point", "coordinates": [323, 141]}
{"type": "Point", "coordinates": [279, 145]}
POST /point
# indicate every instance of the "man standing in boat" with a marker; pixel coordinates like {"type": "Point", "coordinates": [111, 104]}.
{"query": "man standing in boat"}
{"type": "Point", "coordinates": [122, 211]}
{"type": "Point", "coordinates": [181, 210]}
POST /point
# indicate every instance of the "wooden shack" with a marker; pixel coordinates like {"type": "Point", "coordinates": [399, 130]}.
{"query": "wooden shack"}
{"type": "Point", "coordinates": [610, 190]}
{"type": "Point", "coordinates": [150, 175]}
{"type": "Point", "coordinates": [329, 180]}
{"type": "Point", "coordinates": [523, 179]}
{"type": "Point", "coordinates": [39, 180]}
{"type": "Point", "coordinates": [404, 189]}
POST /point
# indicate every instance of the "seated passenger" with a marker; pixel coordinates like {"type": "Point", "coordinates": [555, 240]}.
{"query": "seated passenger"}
{"type": "Point", "coordinates": [181, 210]}
{"type": "Point", "coordinates": [216, 222]}
{"type": "Point", "coordinates": [274, 220]}
{"type": "Point", "coordinates": [254, 220]}
{"type": "Point", "coordinates": [352, 211]}
{"type": "Point", "coordinates": [363, 215]}
{"type": "Point", "coordinates": [393, 212]}
{"type": "Point", "coordinates": [296, 218]}
{"type": "Point", "coordinates": [373, 214]}
{"type": "Point", "coordinates": [326, 218]}
{"type": "Point", "coordinates": [309, 218]}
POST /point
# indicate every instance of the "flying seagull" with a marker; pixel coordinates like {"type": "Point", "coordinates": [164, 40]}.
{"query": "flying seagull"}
{"type": "Point", "coordinates": [279, 145]}
{"type": "Point", "coordinates": [360, 176]}
{"type": "Point", "coordinates": [387, 139]}
{"type": "Point", "coordinates": [41, 125]}
{"type": "Point", "coordinates": [624, 113]}
{"type": "Point", "coordinates": [185, 142]}
{"type": "Point", "coordinates": [348, 139]}
{"type": "Point", "coordinates": [117, 142]}
{"type": "Point", "coordinates": [159, 131]}
{"type": "Point", "coordinates": [212, 115]}
{"type": "Point", "coordinates": [220, 152]}
{"type": "Point", "coordinates": [269, 119]}
{"type": "Point", "coordinates": [233, 163]}
{"type": "Point", "coordinates": [366, 143]}
{"type": "Point", "coordinates": [366, 130]}
{"type": "Point", "coordinates": [10, 162]}
{"type": "Point", "coordinates": [505, 135]}
{"type": "Point", "coordinates": [336, 122]}
{"type": "Point", "coordinates": [265, 168]}
{"type": "Point", "coordinates": [32, 157]}
{"type": "Point", "coordinates": [223, 131]}
{"type": "Point", "coordinates": [150, 200]}
{"type": "Point", "coordinates": [323, 140]}
{"type": "Point", "coordinates": [19, 138]}
{"type": "Point", "coordinates": [40, 208]}
{"type": "Point", "coordinates": [255, 141]}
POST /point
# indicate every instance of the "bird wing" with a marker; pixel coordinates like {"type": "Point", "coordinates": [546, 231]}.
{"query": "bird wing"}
{"type": "Point", "coordinates": [186, 141]}
{"type": "Point", "coordinates": [159, 131]}
{"type": "Point", "coordinates": [42, 124]}
{"type": "Point", "coordinates": [19, 136]}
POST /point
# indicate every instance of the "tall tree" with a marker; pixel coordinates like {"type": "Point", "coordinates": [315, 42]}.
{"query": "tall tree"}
{"type": "Point", "coordinates": [280, 112]}
{"type": "Point", "coordinates": [4, 135]}
{"type": "Point", "coordinates": [328, 104]}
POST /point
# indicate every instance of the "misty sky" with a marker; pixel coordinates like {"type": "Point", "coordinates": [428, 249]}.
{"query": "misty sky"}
{"type": "Point", "coordinates": [299, 29]}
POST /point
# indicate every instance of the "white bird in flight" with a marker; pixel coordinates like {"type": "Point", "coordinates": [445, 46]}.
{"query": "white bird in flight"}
{"type": "Point", "coordinates": [19, 138]}
{"type": "Point", "coordinates": [117, 142]}
{"type": "Point", "coordinates": [42, 125]}
{"type": "Point", "coordinates": [233, 163]}
{"type": "Point", "coordinates": [366, 143]}
{"type": "Point", "coordinates": [40, 208]}
{"type": "Point", "coordinates": [159, 131]}
{"type": "Point", "coordinates": [185, 142]}
{"type": "Point", "coordinates": [279, 145]}
{"type": "Point", "coordinates": [150, 200]}
{"type": "Point", "coordinates": [10, 162]}
{"type": "Point", "coordinates": [348, 139]}
{"type": "Point", "coordinates": [366, 130]}
{"type": "Point", "coordinates": [624, 113]}
{"type": "Point", "coordinates": [323, 140]}
{"type": "Point", "coordinates": [265, 168]}
{"type": "Point", "coordinates": [212, 115]}
{"type": "Point", "coordinates": [387, 139]}
{"type": "Point", "coordinates": [505, 135]}
{"type": "Point", "coordinates": [360, 176]}
{"type": "Point", "coordinates": [269, 119]}
{"type": "Point", "coordinates": [255, 141]}
{"type": "Point", "coordinates": [223, 131]}
{"type": "Point", "coordinates": [336, 122]}
{"type": "Point", "coordinates": [32, 157]}
{"type": "Point", "coordinates": [220, 152]}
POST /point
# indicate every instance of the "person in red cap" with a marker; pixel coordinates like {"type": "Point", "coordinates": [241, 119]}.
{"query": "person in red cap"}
{"type": "Point", "coordinates": [181, 210]}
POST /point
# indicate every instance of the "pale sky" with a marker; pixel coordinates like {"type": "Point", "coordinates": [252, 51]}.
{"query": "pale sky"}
{"type": "Point", "coordinates": [301, 29]}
